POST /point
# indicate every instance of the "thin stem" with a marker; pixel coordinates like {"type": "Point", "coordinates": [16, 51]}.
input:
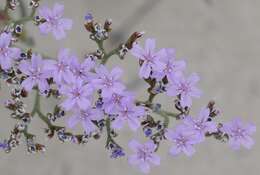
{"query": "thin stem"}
{"type": "Point", "coordinates": [36, 106]}
{"type": "Point", "coordinates": [44, 118]}
{"type": "Point", "coordinates": [108, 128]}
{"type": "Point", "coordinates": [25, 19]}
{"type": "Point", "coordinates": [160, 112]}
{"type": "Point", "coordinates": [6, 7]}
{"type": "Point", "coordinates": [37, 110]}
{"type": "Point", "coordinates": [26, 134]}
{"type": "Point", "coordinates": [151, 97]}
{"type": "Point", "coordinates": [100, 44]}
{"type": "Point", "coordinates": [106, 55]}
{"type": "Point", "coordinates": [109, 137]}
{"type": "Point", "coordinates": [109, 54]}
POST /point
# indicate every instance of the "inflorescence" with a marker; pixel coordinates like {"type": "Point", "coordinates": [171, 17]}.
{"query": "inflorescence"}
{"type": "Point", "coordinates": [91, 95]}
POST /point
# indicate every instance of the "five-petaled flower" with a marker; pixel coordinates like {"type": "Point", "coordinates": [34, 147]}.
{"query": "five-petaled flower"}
{"type": "Point", "coordinates": [201, 125]}
{"type": "Point", "coordinates": [150, 60]}
{"type": "Point", "coordinates": [86, 118]}
{"type": "Point", "coordinates": [54, 22]}
{"type": "Point", "coordinates": [7, 54]}
{"type": "Point", "coordinates": [83, 70]}
{"type": "Point", "coordinates": [183, 140]}
{"type": "Point", "coordinates": [37, 71]}
{"type": "Point", "coordinates": [115, 101]}
{"type": "Point", "coordinates": [170, 67]}
{"type": "Point", "coordinates": [108, 82]}
{"type": "Point", "coordinates": [186, 88]}
{"type": "Point", "coordinates": [239, 133]}
{"type": "Point", "coordinates": [78, 93]}
{"type": "Point", "coordinates": [129, 113]}
{"type": "Point", "coordinates": [144, 155]}
{"type": "Point", "coordinates": [61, 69]}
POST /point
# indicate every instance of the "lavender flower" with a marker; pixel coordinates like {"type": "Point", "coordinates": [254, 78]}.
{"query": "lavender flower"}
{"type": "Point", "coordinates": [117, 151]}
{"type": "Point", "coordinates": [85, 117]}
{"type": "Point", "coordinates": [54, 22]}
{"type": "Point", "coordinates": [37, 71]}
{"type": "Point", "coordinates": [239, 133]}
{"type": "Point", "coordinates": [200, 126]}
{"type": "Point", "coordinates": [114, 102]}
{"type": "Point", "coordinates": [129, 113]}
{"type": "Point", "coordinates": [149, 58]}
{"type": "Point", "coordinates": [61, 69]}
{"type": "Point", "coordinates": [78, 93]}
{"type": "Point", "coordinates": [88, 17]}
{"type": "Point", "coordinates": [171, 66]}
{"type": "Point", "coordinates": [185, 88]}
{"type": "Point", "coordinates": [7, 54]}
{"type": "Point", "coordinates": [4, 145]}
{"type": "Point", "coordinates": [143, 155]}
{"type": "Point", "coordinates": [83, 70]}
{"type": "Point", "coordinates": [107, 81]}
{"type": "Point", "coordinates": [183, 140]}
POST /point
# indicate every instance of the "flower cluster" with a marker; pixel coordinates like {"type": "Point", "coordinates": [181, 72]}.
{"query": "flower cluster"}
{"type": "Point", "coordinates": [90, 94]}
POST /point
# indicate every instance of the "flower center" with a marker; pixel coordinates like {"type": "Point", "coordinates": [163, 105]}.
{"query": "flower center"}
{"type": "Point", "coordinates": [76, 93]}
{"type": "Point", "coordinates": [184, 88]}
{"type": "Point", "coordinates": [108, 82]}
{"type": "Point", "coordinates": [181, 141]}
{"type": "Point", "coordinates": [239, 132]}
{"type": "Point", "coordinates": [4, 51]}
{"type": "Point", "coordinates": [143, 153]}
{"type": "Point", "coordinates": [84, 115]}
{"type": "Point", "coordinates": [116, 98]}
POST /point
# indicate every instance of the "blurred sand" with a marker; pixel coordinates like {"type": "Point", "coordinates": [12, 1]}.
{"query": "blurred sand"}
{"type": "Point", "coordinates": [220, 40]}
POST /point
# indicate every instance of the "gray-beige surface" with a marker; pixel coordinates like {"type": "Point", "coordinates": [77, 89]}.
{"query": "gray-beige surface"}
{"type": "Point", "coordinates": [220, 39]}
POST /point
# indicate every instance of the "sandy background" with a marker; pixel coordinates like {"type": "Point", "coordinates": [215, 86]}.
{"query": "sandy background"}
{"type": "Point", "coordinates": [220, 40]}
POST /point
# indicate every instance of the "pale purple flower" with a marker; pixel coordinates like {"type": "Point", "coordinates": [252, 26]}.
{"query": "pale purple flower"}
{"type": "Point", "coordinates": [7, 54]}
{"type": "Point", "coordinates": [86, 118]}
{"type": "Point", "coordinates": [183, 141]}
{"type": "Point", "coordinates": [79, 95]}
{"type": "Point", "coordinates": [144, 155]}
{"type": "Point", "coordinates": [54, 21]}
{"type": "Point", "coordinates": [83, 70]}
{"type": "Point", "coordinates": [171, 66]}
{"type": "Point", "coordinates": [185, 87]}
{"type": "Point", "coordinates": [128, 113]}
{"type": "Point", "coordinates": [149, 57]}
{"type": "Point", "coordinates": [201, 125]}
{"type": "Point", "coordinates": [108, 82]}
{"type": "Point", "coordinates": [89, 17]}
{"type": "Point", "coordinates": [239, 133]}
{"type": "Point", "coordinates": [114, 102]}
{"type": "Point", "coordinates": [37, 71]}
{"type": "Point", "coordinates": [61, 69]}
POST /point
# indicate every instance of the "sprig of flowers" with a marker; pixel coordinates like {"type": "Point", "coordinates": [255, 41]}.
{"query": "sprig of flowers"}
{"type": "Point", "coordinates": [90, 94]}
